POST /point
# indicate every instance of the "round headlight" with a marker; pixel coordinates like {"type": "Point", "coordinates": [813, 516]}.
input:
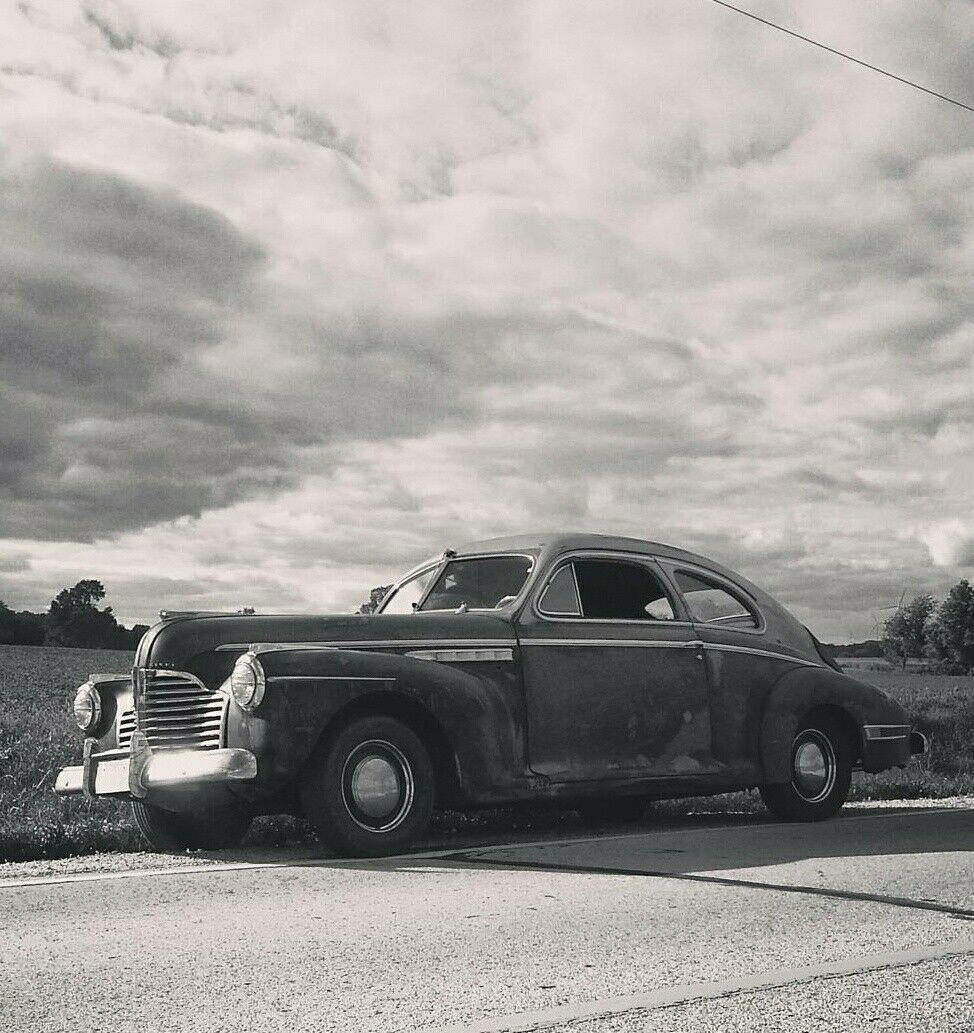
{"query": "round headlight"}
{"type": "Point", "coordinates": [247, 682]}
{"type": "Point", "coordinates": [87, 707]}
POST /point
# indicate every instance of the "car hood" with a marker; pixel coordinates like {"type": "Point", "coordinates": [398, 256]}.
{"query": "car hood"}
{"type": "Point", "coordinates": [176, 642]}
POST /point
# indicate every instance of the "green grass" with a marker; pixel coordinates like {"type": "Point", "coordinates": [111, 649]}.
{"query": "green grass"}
{"type": "Point", "coordinates": [38, 736]}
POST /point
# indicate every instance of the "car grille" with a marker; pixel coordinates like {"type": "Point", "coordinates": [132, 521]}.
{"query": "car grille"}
{"type": "Point", "coordinates": [176, 712]}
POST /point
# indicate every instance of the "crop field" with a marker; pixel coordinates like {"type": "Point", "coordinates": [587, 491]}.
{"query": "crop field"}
{"type": "Point", "coordinates": [38, 736]}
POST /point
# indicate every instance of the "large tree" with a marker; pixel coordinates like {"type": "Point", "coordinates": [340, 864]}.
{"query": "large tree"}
{"type": "Point", "coordinates": [74, 619]}
{"type": "Point", "coordinates": [904, 634]}
{"type": "Point", "coordinates": [950, 630]}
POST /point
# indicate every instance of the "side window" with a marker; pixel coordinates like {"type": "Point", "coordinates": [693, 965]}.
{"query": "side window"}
{"type": "Point", "coordinates": [711, 603]}
{"type": "Point", "coordinates": [615, 590]}
{"type": "Point", "coordinates": [560, 598]}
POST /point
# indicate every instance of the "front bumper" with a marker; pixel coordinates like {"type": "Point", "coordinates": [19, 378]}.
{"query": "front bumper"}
{"type": "Point", "coordinates": [139, 770]}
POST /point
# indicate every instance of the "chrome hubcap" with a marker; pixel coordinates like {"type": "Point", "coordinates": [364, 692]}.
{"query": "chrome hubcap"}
{"type": "Point", "coordinates": [813, 766]}
{"type": "Point", "coordinates": [377, 786]}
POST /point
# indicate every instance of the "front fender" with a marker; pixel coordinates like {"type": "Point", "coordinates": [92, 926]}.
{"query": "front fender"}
{"type": "Point", "coordinates": [805, 689]}
{"type": "Point", "coordinates": [475, 708]}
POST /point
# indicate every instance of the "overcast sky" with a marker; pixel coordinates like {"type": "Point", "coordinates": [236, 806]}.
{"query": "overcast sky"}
{"type": "Point", "coordinates": [293, 294]}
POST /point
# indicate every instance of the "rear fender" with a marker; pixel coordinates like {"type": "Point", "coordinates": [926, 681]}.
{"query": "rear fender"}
{"type": "Point", "coordinates": [803, 690]}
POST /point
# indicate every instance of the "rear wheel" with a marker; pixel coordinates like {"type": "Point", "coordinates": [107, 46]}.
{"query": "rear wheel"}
{"type": "Point", "coordinates": [211, 829]}
{"type": "Point", "coordinates": [369, 790]}
{"type": "Point", "coordinates": [821, 770]}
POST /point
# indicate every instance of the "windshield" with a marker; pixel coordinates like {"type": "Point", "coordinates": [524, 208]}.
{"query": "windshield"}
{"type": "Point", "coordinates": [479, 584]}
{"type": "Point", "coordinates": [405, 598]}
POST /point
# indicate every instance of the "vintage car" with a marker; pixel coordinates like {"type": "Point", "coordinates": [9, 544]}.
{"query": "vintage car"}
{"type": "Point", "coordinates": [575, 667]}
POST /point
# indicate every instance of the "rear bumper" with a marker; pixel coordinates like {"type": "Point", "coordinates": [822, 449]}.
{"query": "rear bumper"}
{"type": "Point", "coordinates": [137, 772]}
{"type": "Point", "coordinates": [890, 746]}
{"type": "Point", "coordinates": [919, 744]}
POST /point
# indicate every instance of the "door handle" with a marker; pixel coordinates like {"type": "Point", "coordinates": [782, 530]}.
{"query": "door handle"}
{"type": "Point", "coordinates": [696, 645]}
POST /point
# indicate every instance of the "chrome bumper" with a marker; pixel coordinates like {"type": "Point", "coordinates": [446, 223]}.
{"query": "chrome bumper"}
{"type": "Point", "coordinates": [919, 743]}
{"type": "Point", "coordinates": [134, 773]}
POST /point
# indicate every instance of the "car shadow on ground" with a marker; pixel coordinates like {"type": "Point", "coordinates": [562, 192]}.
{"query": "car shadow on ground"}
{"type": "Point", "coordinates": [677, 844]}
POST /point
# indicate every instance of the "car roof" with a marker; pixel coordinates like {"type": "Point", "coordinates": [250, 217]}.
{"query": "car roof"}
{"type": "Point", "coordinates": [555, 542]}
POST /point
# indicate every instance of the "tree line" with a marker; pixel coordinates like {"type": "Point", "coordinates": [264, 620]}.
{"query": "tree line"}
{"type": "Point", "coordinates": [940, 632]}
{"type": "Point", "coordinates": [72, 619]}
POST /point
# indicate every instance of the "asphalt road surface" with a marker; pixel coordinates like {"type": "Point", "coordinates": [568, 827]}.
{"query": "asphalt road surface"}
{"type": "Point", "coordinates": [866, 922]}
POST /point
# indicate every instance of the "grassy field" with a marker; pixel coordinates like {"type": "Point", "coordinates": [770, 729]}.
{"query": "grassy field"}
{"type": "Point", "coordinates": [38, 736]}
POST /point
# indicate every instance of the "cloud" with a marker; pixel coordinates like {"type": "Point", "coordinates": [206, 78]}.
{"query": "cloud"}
{"type": "Point", "coordinates": [313, 292]}
{"type": "Point", "coordinates": [951, 543]}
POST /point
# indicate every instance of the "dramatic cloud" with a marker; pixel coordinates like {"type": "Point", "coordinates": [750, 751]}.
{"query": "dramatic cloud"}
{"type": "Point", "coordinates": [292, 297]}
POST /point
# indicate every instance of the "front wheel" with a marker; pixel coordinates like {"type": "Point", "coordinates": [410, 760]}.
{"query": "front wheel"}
{"type": "Point", "coordinates": [369, 790]}
{"type": "Point", "coordinates": [821, 770]}
{"type": "Point", "coordinates": [211, 829]}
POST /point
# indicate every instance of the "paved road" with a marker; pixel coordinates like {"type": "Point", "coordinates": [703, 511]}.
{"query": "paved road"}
{"type": "Point", "coordinates": [864, 922]}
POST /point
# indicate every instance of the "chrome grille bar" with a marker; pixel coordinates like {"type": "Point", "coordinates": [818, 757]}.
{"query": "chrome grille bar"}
{"type": "Point", "coordinates": [175, 710]}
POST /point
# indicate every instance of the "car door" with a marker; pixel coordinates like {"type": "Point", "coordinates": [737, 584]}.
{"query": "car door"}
{"type": "Point", "coordinates": [614, 682]}
{"type": "Point", "coordinates": [742, 665]}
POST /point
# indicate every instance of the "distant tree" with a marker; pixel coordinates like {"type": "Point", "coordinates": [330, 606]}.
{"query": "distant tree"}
{"type": "Point", "coordinates": [248, 611]}
{"type": "Point", "coordinates": [73, 619]}
{"type": "Point", "coordinates": [904, 634]}
{"type": "Point", "coordinates": [128, 638]}
{"type": "Point", "coordinates": [870, 648]}
{"type": "Point", "coordinates": [375, 599]}
{"type": "Point", "coordinates": [20, 629]}
{"type": "Point", "coordinates": [950, 629]}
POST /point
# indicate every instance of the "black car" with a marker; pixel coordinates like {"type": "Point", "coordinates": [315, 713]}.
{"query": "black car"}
{"type": "Point", "coordinates": [574, 666]}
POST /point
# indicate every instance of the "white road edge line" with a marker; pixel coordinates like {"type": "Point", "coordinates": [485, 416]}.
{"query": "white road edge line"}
{"type": "Point", "coordinates": [545, 1018]}
{"type": "Point", "coordinates": [462, 854]}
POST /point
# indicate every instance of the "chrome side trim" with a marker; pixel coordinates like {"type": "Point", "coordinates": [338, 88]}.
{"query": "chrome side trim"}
{"type": "Point", "coordinates": [366, 644]}
{"type": "Point", "coordinates": [875, 733]}
{"type": "Point", "coordinates": [462, 656]}
{"type": "Point", "coordinates": [326, 677]}
{"type": "Point", "coordinates": [657, 644]}
{"type": "Point", "coordinates": [718, 646]}
{"type": "Point", "coordinates": [628, 643]}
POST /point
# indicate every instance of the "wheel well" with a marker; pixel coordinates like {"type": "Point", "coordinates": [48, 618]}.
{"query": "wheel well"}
{"type": "Point", "coordinates": [422, 722]}
{"type": "Point", "coordinates": [845, 721]}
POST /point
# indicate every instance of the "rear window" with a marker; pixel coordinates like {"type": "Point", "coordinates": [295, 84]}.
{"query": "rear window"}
{"type": "Point", "coordinates": [710, 602]}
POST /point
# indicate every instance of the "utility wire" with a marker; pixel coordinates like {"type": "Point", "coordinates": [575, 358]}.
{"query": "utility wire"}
{"type": "Point", "coordinates": [839, 53]}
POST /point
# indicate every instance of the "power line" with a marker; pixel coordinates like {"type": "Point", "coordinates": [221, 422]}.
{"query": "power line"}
{"type": "Point", "coordinates": [839, 53]}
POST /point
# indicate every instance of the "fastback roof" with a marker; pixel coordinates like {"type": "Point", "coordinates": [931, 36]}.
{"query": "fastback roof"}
{"type": "Point", "coordinates": [553, 543]}
{"type": "Point", "coordinates": [567, 541]}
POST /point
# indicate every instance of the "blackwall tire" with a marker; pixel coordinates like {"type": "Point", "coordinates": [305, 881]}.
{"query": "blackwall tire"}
{"type": "Point", "coordinates": [821, 771]}
{"type": "Point", "coordinates": [369, 790]}
{"type": "Point", "coordinates": [213, 829]}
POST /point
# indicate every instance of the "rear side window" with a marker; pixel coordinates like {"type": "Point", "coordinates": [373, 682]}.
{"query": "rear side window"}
{"type": "Point", "coordinates": [613, 590]}
{"type": "Point", "coordinates": [711, 603]}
